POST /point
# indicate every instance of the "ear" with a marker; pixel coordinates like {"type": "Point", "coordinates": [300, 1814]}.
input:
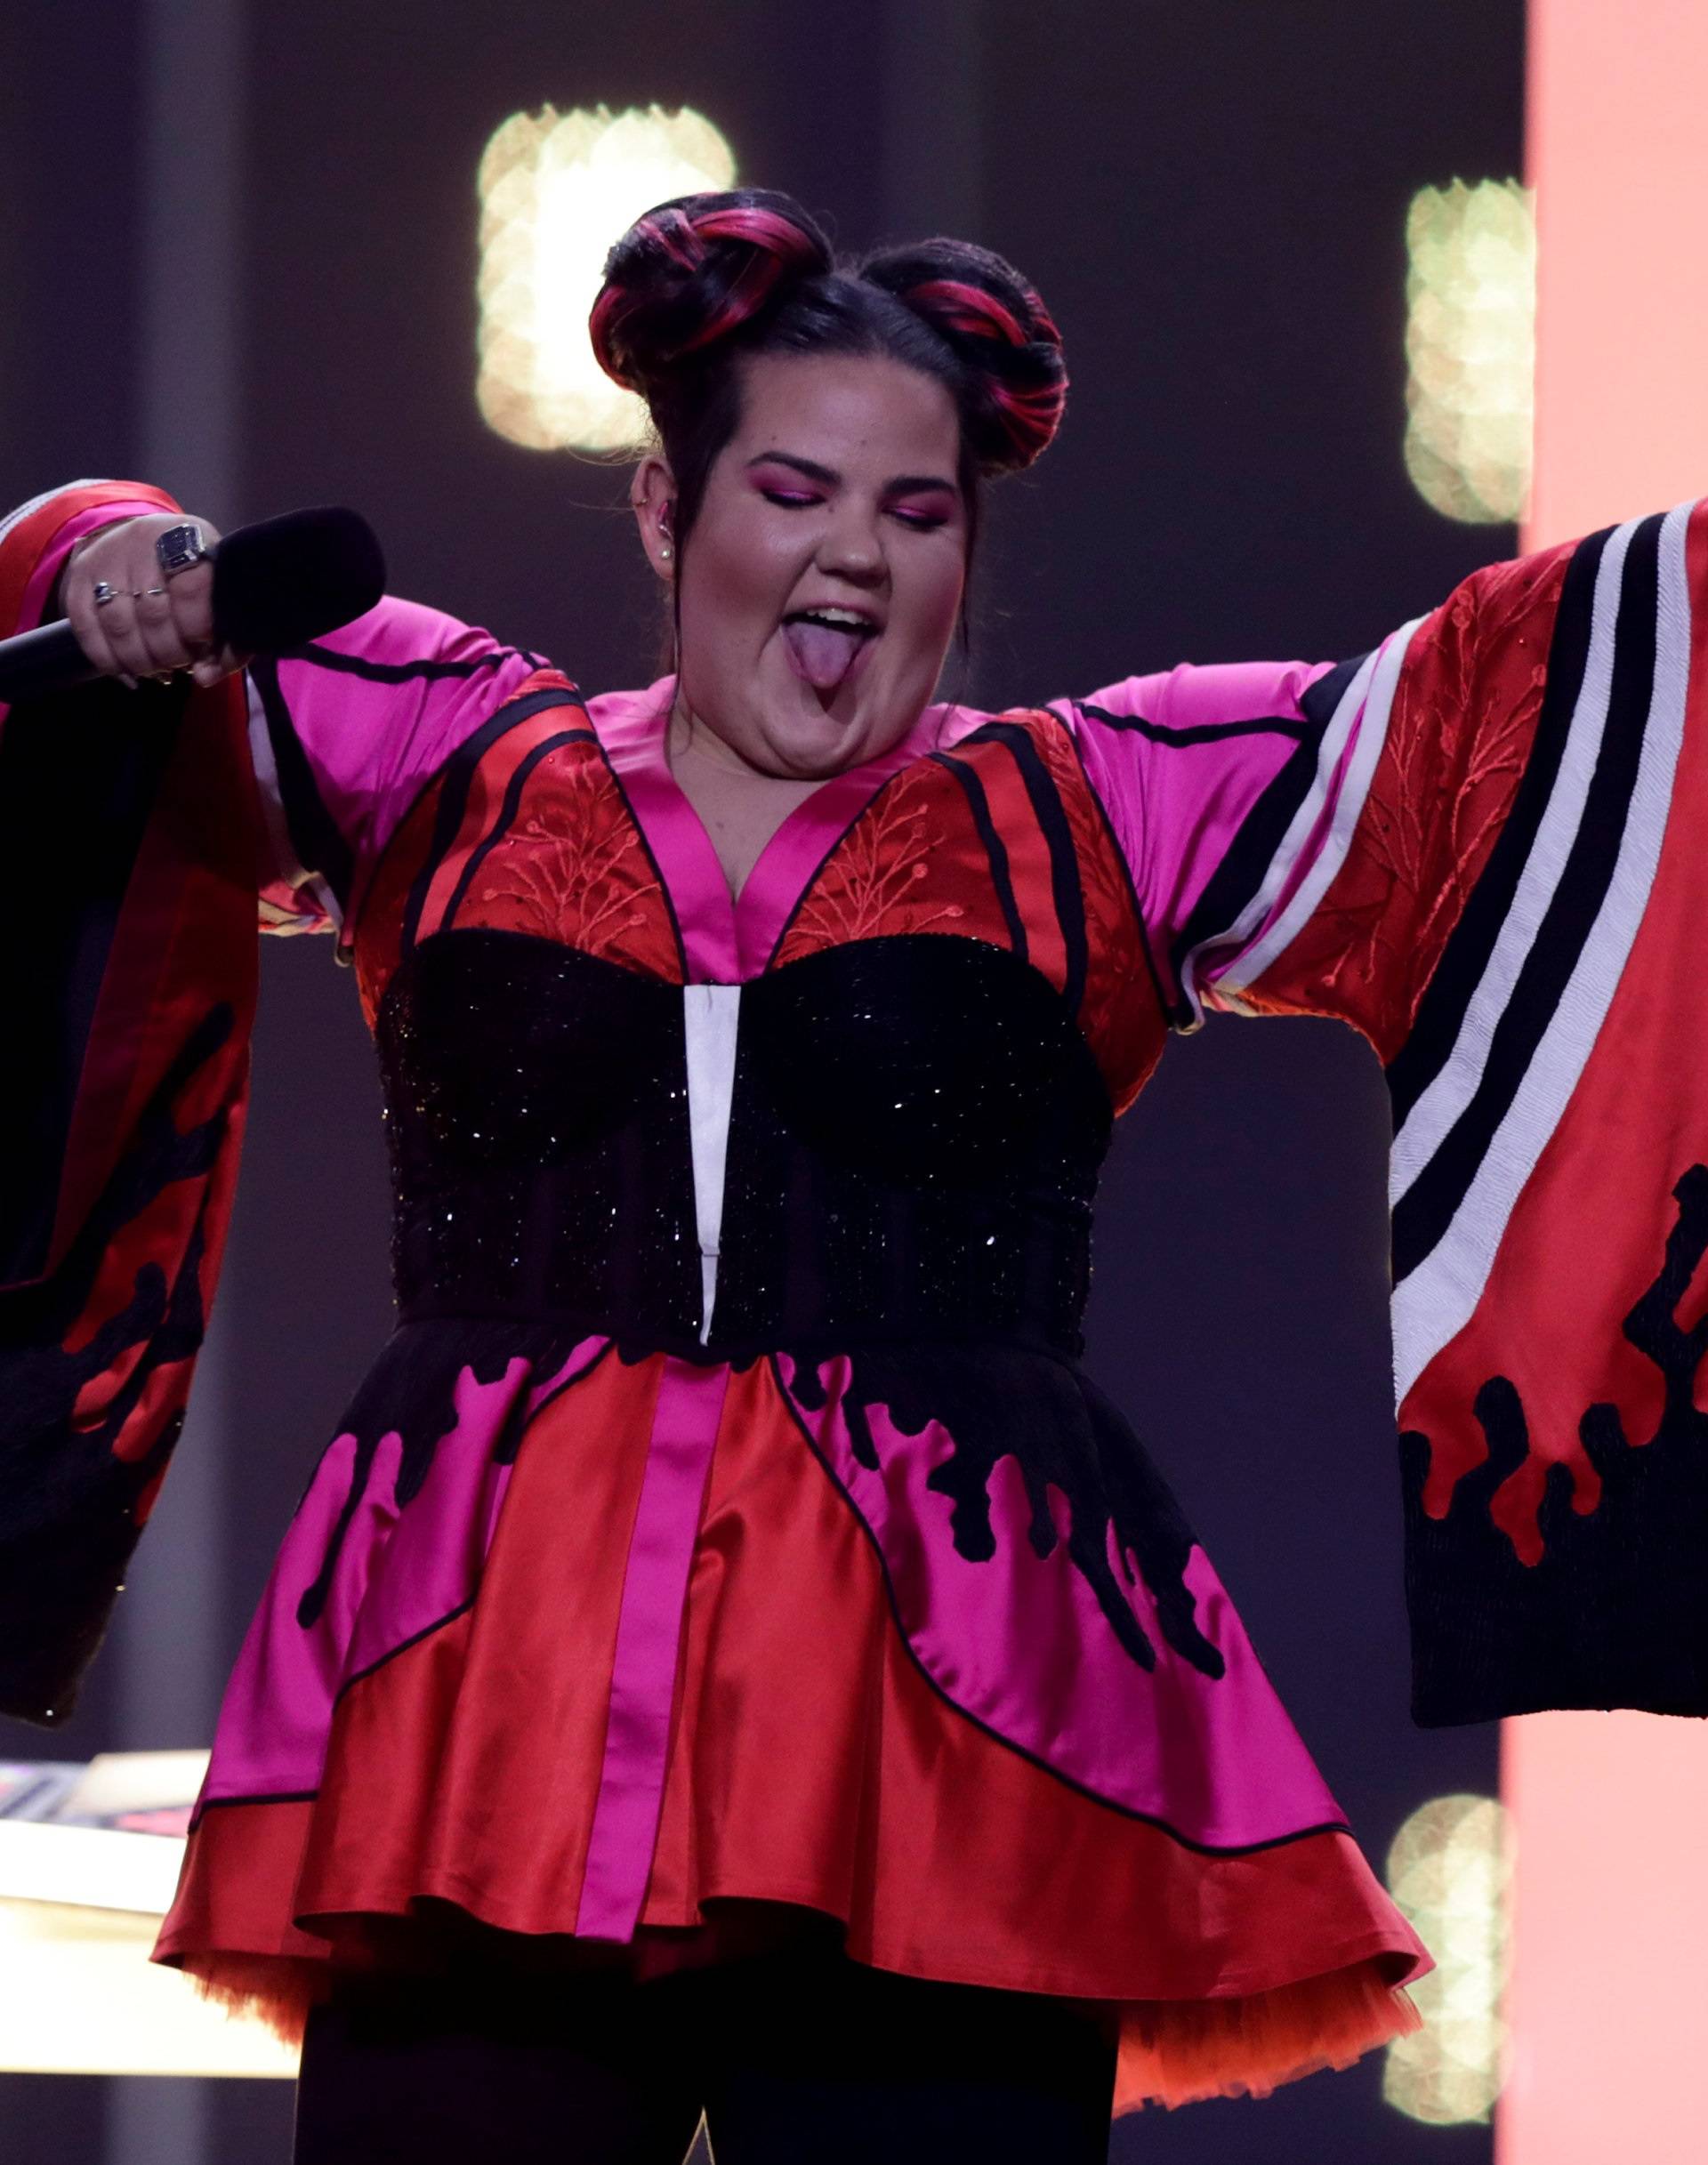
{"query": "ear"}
{"type": "Point", "coordinates": [652, 496]}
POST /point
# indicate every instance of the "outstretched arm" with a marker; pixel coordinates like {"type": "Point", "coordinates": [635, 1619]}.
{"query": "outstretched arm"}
{"type": "Point", "coordinates": [137, 828]}
{"type": "Point", "coordinates": [1481, 846]}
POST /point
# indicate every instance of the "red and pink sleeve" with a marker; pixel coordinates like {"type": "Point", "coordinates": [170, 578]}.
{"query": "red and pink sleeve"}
{"type": "Point", "coordinates": [1480, 845]}
{"type": "Point", "coordinates": [136, 828]}
{"type": "Point", "coordinates": [343, 733]}
{"type": "Point", "coordinates": [1228, 788]}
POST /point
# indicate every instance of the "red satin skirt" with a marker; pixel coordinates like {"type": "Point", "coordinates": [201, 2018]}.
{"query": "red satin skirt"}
{"type": "Point", "coordinates": [811, 1767]}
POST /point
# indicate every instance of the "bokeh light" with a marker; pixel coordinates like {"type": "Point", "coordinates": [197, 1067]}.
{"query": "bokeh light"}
{"type": "Point", "coordinates": [1470, 339]}
{"type": "Point", "coordinates": [556, 189]}
{"type": "Point", "coordinates": [1447, 1871]}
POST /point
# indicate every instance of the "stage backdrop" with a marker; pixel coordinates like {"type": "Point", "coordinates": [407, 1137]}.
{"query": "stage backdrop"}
{"type": "Point", "coordinates": [1213, 201]}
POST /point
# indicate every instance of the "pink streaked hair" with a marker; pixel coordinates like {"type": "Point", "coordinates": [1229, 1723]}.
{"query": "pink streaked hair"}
{"type": "Point", "coordinates": [1031, 417]}
{"type": "Point", "coordinates": [778, 246]}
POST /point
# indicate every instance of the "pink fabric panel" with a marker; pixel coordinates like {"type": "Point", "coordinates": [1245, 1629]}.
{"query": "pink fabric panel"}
{"type": "Point", "coordinates": [648, 1636]}
{"type": "Point", "coordinates": [1018, 1642]}
{"type": "Point", "coordinates": [1176, 805]}
{"type": "Point", "coordinates": [438, 1544]}
{"type": "Point", "coordinates": [1311, 848]}
{"type": "Point", "coordinates": [270, 1739]}
{"type": "Point", "coordinates": [729, 939]}
{"type": "Point", "coordinates": [399, 1571]}
{"type": "Point", "coordinates": [373, 742]}
{"type": "Point", "coordinates": [800, 844]}
{"type": "Point", "coordinates": [631, 727]}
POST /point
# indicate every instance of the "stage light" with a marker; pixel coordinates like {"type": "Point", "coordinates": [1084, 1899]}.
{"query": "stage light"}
{"type": "Point", "coordinates": [556, 189]}
{"type": "Point", "coordinates": [1471, 339]}
{"type": "Point", "coordinates": [1447, 1871]}
{"type": "Point", "coordinates": [82, 1893]}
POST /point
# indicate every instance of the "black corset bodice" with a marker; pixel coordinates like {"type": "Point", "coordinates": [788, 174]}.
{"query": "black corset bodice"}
{"type": "Point", "coordinates": [915, 1137]}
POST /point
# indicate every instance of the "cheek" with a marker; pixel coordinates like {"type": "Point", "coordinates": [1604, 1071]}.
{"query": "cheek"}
{"type": "Point", "coordinates": [738, 568]}
{"type": "Point", "coordinates": [933, 606]}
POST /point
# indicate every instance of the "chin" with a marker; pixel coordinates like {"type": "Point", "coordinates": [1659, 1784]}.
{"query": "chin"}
{"type": "Point", "coordinates": [826, 739]}
{"type": "Point", "coordinates": [789, 731]}
{"type": "Point", "coordinates": [813, 746]}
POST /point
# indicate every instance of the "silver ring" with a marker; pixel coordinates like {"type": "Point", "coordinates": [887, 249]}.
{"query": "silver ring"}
{"type": "Point", "coordinates": [152, 589]}
{"type": "Point", "coordinates": [180, 548]}
{"type": "Point", "coordinates": [104, 593]}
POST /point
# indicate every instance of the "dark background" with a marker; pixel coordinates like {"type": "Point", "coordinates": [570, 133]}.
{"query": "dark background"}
{"type": "Point", "coordinates": [1211, 200]}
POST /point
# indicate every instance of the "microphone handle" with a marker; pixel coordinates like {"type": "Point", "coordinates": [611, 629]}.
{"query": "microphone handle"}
{"type": "Point", "coordinates": [276, 586]}
{"type": "Point", "coordinates": [34, 664]}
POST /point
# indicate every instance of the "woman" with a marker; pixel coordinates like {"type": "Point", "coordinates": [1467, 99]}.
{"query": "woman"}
{"type": "Point", "coordinates": [731, 1658]}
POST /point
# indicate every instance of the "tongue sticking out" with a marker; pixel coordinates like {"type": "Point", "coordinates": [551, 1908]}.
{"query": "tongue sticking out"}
{"type": "Point", "coordinates": [822, 656]}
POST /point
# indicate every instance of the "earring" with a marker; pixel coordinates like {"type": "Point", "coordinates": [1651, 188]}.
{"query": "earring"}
{"type": "Point", "coordinates": [664, 551]}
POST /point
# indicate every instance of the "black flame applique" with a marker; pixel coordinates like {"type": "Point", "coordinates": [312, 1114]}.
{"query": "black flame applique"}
{"type": "Point", "coordinates": [1616, 1612]}
{"type": "Point", "coordinates": [997, 1402]}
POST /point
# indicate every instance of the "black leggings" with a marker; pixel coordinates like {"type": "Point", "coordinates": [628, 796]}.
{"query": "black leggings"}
{"type": "Point", "coordinates": [801, 2055]}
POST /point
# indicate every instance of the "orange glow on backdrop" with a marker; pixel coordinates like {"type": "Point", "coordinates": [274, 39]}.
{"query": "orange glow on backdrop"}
{"type": "Point", "coordinates": [1608, 2004]}
{"type": "Point", "coordinates": [1617, 152]}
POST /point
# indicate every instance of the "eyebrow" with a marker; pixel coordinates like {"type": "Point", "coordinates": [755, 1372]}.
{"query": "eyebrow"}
{"type": "Point", "coordinates": [903, 484]}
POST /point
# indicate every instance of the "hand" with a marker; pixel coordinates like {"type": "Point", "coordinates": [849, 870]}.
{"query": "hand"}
{"type": "Point", "coordinates": [154, 626]}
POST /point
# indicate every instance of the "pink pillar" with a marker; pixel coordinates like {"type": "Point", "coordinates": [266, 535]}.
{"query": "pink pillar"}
{"type": "Point", "coordinates": [1608, 1999]}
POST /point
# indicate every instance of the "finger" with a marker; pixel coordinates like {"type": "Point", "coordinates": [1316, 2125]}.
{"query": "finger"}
{"type": "Point", "coordinates": [159, 635]}
{"type": "Point", "coordinates": [128, 649]}
{"type": "Point", "coordinates": [191, 595]}
{"type": "Point", "coordinates": [215, 667]}
{"type": "Point", "coordinates": [84, 614]}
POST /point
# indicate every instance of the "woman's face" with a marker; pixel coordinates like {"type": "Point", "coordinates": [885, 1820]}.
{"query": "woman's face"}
{"type": "Point", "coordinates": [822, 578]}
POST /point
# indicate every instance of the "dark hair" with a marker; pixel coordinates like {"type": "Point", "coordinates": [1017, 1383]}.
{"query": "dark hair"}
{"type": "Point", "coordinates": [701, 282]}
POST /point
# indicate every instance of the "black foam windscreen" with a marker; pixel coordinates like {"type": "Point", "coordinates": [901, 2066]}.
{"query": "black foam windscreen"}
{"type": "Point", "coordinates": [287, 580]}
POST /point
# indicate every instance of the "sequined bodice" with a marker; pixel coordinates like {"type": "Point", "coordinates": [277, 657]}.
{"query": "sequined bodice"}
{"type": "Point", "coordinates": [914, 1129]}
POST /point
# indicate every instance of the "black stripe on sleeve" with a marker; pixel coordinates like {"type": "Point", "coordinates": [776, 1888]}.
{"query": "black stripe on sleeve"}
{"type": "Point", "coordinates": [978, 804]}
{"type": "Point", "coordinates": [1048, 810]}
{"type": "Point", "coordinates": [1242, 869]}
{"type": "Point", "coordinates": [425, 672]}
{"type": "Point", "coordinates": [1321, 699]}
{"type": "Point", "coordinates": [1427, 1209]}
{"type": "Point", "coordinates": [315, 835]}
{"type": "Point", "coordinates": [1203, 732]}
{"type": "Point", "coordinates": [1441, 1011]}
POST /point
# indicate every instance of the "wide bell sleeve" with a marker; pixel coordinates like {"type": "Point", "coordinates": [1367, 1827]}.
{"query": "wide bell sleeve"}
{"type": "Point", "coordinates": [139, 829]}
{"type": "Point", "coordinates": [1482, 844]}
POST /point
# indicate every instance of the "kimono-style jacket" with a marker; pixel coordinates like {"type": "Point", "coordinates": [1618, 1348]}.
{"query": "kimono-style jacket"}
{"type": "Point", "coordinates": [729, 1515]}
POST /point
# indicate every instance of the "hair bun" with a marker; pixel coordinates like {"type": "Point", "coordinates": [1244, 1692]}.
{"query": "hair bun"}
{"type": "Point", "coordinates": [1003, 333]}
{"type": "Point", "coordinates": [693, 270]}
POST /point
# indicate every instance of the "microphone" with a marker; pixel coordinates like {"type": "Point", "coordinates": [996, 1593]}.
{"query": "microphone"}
{"type": "Point", "coordinates": [276, 586]}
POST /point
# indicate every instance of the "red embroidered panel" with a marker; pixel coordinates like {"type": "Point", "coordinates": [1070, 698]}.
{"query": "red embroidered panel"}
{"type": "Point", "coordinates": [1463, 717]}
{"type": "Point", "coordinates": [569, 864]}
{"type": "Point", "coordinates": [916, 861]}
{"type": "Point", "coordinates": [910, 863]}
{"type": "Point", "coordinates": [548, 849]}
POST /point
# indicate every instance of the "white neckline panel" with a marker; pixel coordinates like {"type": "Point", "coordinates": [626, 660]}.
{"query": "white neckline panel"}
{"type": "Point", "coordinates": [709, 1015]}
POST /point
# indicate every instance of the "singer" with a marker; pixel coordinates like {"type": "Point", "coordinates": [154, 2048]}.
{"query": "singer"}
{"type": "Point", "coordinates": [731, 1659]}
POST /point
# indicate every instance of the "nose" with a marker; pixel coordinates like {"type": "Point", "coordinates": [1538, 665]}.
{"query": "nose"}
{"type": "Point", "coordinates": [852, 546]}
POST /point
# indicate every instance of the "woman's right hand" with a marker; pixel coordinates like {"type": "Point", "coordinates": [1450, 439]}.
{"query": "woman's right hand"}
{"type": "Point", "coordinates": [153, 626]}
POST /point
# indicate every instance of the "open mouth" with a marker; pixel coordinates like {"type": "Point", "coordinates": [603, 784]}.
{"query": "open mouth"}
{"type": "Point", "coordinates": [824, 644]}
